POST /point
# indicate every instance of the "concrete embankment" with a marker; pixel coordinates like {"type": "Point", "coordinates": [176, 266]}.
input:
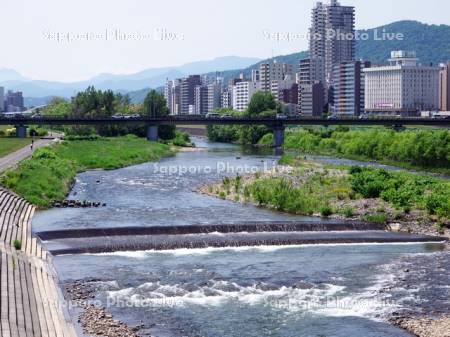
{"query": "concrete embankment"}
{"type": "Point", "coordinates": [31, 302]}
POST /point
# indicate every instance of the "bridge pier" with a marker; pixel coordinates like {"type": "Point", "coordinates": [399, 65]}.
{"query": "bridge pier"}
{"type": "Point", "coordinates": [21, 131]}
{"type": "Point", "coordinates": [152, 133]}
{"type": "Point", "coordinates": [278, 136]}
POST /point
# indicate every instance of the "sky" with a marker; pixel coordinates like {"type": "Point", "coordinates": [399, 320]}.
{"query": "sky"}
{"type": "Point", "coordinates": [34, 38]}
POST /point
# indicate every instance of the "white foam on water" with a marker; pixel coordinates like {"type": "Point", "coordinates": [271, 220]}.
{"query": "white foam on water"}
{"type": "Point", "coordinates": [262, 249]}
{"type": "Point", "coordinates": [218, 292]}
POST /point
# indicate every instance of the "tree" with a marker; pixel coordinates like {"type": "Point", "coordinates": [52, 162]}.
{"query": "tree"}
{"type": "Point", "coordinates": [155, 106]}
{"type": "Point", "coordinates": [262, 104]}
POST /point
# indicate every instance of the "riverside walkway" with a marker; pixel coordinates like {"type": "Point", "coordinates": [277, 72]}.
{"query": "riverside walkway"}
{"type": "Point", "coordinates": [31, 304]}
{"type": "Point", "coordinates": [11, 160]}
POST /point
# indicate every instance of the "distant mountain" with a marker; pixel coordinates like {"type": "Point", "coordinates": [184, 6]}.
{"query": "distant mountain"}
{"type": "Point", "coordinates": [133, 82]}
{"type": "Point", "coordinates": [431, 42]}
{"type": "Point", "coordinates": [11, 75]}
{"type": "Point", "coordinates": [37, 101]}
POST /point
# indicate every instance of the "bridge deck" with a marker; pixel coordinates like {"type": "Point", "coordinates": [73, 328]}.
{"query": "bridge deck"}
{"type": "Point", "coordinates": [202, 120]}
{"type": "Point", "coordinates": [30, 302]}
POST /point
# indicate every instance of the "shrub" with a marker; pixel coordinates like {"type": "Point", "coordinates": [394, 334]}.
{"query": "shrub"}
{"type": "Point", "coordinates": [349, 212]}
{"type": "Point", "coordinates": [381, 218]}
{"type": "Point", "coordinates": [17, 244]}
{"type": "Point", "coordinates": [326, 211]}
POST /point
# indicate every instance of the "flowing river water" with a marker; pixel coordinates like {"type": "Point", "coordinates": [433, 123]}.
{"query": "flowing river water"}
{"type": "Point", "coordinates": [310, 290]}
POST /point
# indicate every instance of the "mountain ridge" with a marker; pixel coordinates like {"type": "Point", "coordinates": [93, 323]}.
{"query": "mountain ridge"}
{"type": "Point", "coordinates": [430, 41]}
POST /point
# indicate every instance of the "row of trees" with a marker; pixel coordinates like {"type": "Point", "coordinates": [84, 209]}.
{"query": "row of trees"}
{"type": "Point", "coordinates": [262, 104]}
{"type": "Point", "coordinates": [98, 103]}
{"type": "Point", "coordinates": [425, 148]}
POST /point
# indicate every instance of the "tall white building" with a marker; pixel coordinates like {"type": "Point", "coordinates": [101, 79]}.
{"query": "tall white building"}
{"type": "Point", "coordinates": [402, 87]}
{"type": "Point", "coordinates": [242, 94]}
{"type": "Point", "coordinates": [2, 99]}
{"type": "Point", "coordinates": [172, 96]}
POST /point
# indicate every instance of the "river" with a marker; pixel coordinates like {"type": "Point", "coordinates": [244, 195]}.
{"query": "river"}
{"type": "Point", "coordinates": [310, 290]}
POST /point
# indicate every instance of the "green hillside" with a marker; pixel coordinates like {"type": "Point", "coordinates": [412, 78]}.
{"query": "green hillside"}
{"type": "Point", "coordinates": [431, 42]}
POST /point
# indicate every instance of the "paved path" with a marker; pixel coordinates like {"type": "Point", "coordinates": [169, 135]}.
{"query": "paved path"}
{"type": "Point", "coordinates": [13, 158]}
{"type": "Point", "coordinates": [31, 303]}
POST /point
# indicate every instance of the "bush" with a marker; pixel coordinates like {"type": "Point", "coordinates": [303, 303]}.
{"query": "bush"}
{"type": "Point", "coordinates": [326, 211]}
{"type": "Point", "coordinates": [349, 212]}
{"type": "Point", "coordinates": [370, 182]}
{"type": "Point", "coordinates": [17, 244]}
{"type": "Point", "coordinates": [381, 218]}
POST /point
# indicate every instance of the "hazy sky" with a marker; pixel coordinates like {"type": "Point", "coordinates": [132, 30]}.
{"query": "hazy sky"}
{"type": "Point", "coordinates": [204, 29]}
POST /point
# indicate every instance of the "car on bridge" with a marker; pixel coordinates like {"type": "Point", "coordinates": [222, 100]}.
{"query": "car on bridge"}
{"type": "Point", "coordinates": [212, 115]}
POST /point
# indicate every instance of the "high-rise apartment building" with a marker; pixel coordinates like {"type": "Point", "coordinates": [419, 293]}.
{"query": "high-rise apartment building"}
{"type": "Point", "coordinates": [348, 87]}
{"type": "Point", "coordinates": [311, 79]}
{"type": "Point", "coordinates": [187, 93]}
{"type": "Point", "coordinates": [172, 94]}
{"type": "Point", "coordinates": [214, 96]}
{"type": "Point", "coordinates": [243, 93]}
{"type": "Point", "coordinates": [332, 35]}
{"type": "Point", "coordinates": [14, 101]}
{"type": "Point", "coordinates": [273, 71]}
{"type": "Point", "coordinates": [2, 99]}
{"type": "Point", "coordinates": [312, 98]}
{"type": "Point", "coordinates": [201, 99]}
{"type": "Point", "coordinates": [402, 87]}
{"type": "Point", "coordinates": [444, 88]}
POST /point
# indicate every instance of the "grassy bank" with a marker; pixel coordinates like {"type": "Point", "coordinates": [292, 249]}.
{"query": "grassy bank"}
{"type": "Point", "coordinates": [413, 149]}
{"type": "Point", "coordinates": [375, 195]}
{"type": "Point", "coordinates": [48, 175]}
{"type": "Point", "coordinates": [9, 145]}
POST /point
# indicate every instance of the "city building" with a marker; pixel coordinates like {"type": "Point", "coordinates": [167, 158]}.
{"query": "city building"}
{"type": "Point", "coordinates": [277, 86]}
{"type": "Point", "coordinates": [332, 35]}
{"type": "Point", "coordinates": [255, 75]}
{"type": "Point", "coordinates": [214, 96]}
{"type": "Point", "coordinates": [14, 101]}
{"type": "Point", "coordinates": [242, 94]}
{"type": "Point", "coordinates": [311, 102]}
{"type": "Point", "coordinates": [187, 94]}
{"type": "Point", "coordinates": [173, 96]}
{"type": "Point", "coordinates": [2, 99]}
{"type": "Point", "coordinates": [348, 87]}
{"type": "Point", "coordinates": [273, 71]}
{"type": "Point", "coordinates": [311, 78]}
{"type": "Point", "coordinates": [200, 99]}
{"type": "Point", "coordinates": [289, 98]}
{"type": "Point", "coordinates": [444, 88]}
{"type": "Point", "coordinates": [227, 98]}
{"type": "Point", "coordinates": [403, 87]}
{"type": "Point", "coordinates": [312, 70]}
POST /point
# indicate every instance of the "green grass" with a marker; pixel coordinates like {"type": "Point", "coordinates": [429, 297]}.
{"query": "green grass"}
{"type": "Point", "coordinates": [9, 145]}
{"type": "Point", "coordinates": [48, 175]}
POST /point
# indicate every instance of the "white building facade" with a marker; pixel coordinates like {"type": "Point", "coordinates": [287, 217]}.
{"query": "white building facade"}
{"type": "Point", "coordinates": [402, 87]}
{"type": "Point", "coordinates": [243, 93]}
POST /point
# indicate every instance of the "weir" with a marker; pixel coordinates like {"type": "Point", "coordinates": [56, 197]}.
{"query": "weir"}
{"type": "Point", "coordinates": [250, 227]}
{"type": "Point", "coordinates": [98, 245]}
{"type": "Point", "coordinates": [101, 240]}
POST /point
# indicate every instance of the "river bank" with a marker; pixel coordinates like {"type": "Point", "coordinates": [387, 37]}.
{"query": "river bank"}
{"type": "Point", "coordinates": [422, 150]}
{"type": "Point", "coordinates": [183, 292]}
{"type": "Point", "coordinates": [49, 174]}
{"type": "Point", "coordinates": [311, 188]}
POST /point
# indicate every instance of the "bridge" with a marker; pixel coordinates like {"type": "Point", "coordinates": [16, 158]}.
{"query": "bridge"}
{"type": "Point", "coordinates": [278, 125]}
